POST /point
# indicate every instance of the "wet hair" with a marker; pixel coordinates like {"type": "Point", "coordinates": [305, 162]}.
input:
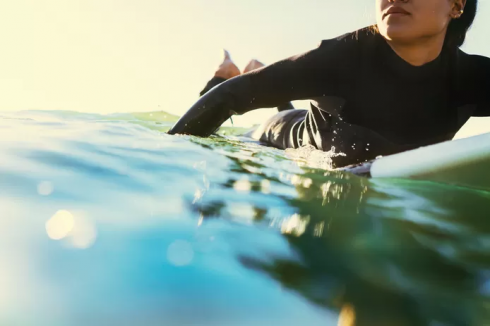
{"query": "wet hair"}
{"type": "Point", "coordinates": [457, 29]}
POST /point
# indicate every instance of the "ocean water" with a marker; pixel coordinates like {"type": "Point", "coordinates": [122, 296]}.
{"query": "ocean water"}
{"type": "Point", "coordinates": [107, 220]}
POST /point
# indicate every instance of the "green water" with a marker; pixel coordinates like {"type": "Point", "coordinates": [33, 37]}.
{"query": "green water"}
{"type": "Point", "coordinates": [178, 230]}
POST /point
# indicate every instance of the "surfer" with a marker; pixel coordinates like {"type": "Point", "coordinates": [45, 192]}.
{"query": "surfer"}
{"type": "Point", "coordinates": [394, 86]}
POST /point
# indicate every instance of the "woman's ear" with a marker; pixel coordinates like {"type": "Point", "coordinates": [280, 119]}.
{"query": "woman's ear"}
{"type": "Point", "coordinates": [457, 8]}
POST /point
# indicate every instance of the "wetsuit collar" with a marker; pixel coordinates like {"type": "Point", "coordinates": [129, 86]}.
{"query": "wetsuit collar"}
{"type": "Point", "coordinates": [404, 69]}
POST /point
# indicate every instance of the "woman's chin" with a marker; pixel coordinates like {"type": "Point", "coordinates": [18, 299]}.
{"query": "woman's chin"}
{"type": "Point", "coordinates": [395, 32]}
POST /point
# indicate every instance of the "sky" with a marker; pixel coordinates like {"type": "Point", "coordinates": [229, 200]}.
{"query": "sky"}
{"type": "Point", "coordinates": [107, 56]}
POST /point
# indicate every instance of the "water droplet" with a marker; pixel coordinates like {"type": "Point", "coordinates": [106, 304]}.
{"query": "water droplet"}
{"type": "Point", "coordinates": [60, 225]}
{"type": "Point", "coordinates": [84, 233]}
{"type": "Point", "coordinates": [180, 253]}
{"type": "Point", "coordinates": [45, 188]}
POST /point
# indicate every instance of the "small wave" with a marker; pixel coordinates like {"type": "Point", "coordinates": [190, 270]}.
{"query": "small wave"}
{"type": "Point", "coordinates": [312, 157]}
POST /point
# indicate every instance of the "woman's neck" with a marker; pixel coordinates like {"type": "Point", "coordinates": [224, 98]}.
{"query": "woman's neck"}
{"type": "Point", "coordinates": [419, 53]}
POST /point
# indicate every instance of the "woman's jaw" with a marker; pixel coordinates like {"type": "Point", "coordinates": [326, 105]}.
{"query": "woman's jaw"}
{"type": "Point", "coordinates": [415, 22]}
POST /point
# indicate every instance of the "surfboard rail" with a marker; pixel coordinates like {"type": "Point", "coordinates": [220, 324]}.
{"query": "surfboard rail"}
{"type": "Point", "coordinates": [463, 161]}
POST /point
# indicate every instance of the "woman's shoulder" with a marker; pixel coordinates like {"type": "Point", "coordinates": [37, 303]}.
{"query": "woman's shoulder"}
{"type": "Point", "coordinates": [473, 62]}
{"type": "Point", "coordinates": [351, 40]}
{"type": "Point", "coordinates": [474, 68]}
{"type": "Point", "coordinates": [348, 48]}
{"type": "Point", "coordinates": [473, 78]}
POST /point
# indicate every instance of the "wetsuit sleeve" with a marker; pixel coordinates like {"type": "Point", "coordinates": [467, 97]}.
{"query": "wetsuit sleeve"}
{"type": "Point", "coordinates": [215, 81]}
{"type": "Point", "coordinates": [299, 77]}
{"type": "Point", "coordinates": [481, 85]}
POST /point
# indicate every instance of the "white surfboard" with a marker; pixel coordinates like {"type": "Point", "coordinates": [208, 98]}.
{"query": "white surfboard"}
{"type": "Point", "coordinates": [463, 162]}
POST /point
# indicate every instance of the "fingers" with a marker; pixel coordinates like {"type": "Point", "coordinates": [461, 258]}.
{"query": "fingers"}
{"type": "Point", "coordinates": [226, 55]}
{"type": "Point", "coordinates": [253, 65]}
{"type": "Point", "coordinates": [227, 68]}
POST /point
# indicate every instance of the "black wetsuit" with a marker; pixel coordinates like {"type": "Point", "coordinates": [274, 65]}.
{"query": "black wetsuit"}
{"type": "Point", "coordinates": [366, 100]}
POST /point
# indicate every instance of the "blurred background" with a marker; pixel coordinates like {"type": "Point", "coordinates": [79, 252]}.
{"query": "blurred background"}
{"type": "Point", "coordinates": [107, 56]}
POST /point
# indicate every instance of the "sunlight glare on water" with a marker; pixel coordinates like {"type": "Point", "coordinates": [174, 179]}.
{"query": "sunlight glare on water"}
{"type": "Point", "coordinates": [60, 225]}
{"type": "Point", "coordinates": [107, 220]}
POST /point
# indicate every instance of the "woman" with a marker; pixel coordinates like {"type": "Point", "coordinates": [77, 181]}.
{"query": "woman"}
{"type": "Point", "coordinates": [398, 85]}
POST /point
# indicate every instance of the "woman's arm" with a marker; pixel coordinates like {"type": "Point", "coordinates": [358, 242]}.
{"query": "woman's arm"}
{"type": "Point", "coordinates": [214, 108]}
{"type": "Point", "coordinates": [299, 77]}
{"type": "Point", "coordinates": [480, 85]}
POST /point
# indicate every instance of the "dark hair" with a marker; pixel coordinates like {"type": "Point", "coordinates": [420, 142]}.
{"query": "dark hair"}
{"type": "Point", "coordinates": [457, 29]}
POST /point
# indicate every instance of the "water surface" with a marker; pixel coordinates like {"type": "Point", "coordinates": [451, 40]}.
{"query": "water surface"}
{"type": "Point", "coordinates": [107, 220]}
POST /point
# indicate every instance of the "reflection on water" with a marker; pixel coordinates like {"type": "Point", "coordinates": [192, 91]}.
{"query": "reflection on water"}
{"type": "Point", "coordinates": [114, 223]}
{"type": "Point", "coordinates": [397, 252]}
{"type": "Point", "coordinates": [60, 225]}
{"type": "Point", "coordinates": [45, 188]}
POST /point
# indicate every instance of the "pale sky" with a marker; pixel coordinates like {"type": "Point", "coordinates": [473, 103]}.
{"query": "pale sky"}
{"type": "Point", "coordinates": [109, 56]}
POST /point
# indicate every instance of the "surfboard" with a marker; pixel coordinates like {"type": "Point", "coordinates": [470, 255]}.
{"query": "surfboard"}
{"type": "Point", "coordinates": [463, 162]}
